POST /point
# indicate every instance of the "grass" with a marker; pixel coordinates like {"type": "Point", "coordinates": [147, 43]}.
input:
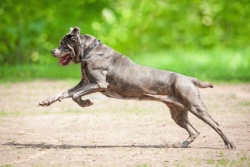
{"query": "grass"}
{"type": "Point", "coordinates": [8, 113]}
{"type": "Point", "coordinates": [245, 103]}
{"type": "Point", "coordinates": [240, 161]}
{"type": "Point", "coordinates": [218, 65]}
{"type": "Point", "coordinates": [28, 72]}
{"type": "Point", "coordinates": [7, 165]}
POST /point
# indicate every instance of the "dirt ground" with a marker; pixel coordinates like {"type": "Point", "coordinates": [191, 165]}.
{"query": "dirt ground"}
{"type": "Point", "coordinates": [117, 132]}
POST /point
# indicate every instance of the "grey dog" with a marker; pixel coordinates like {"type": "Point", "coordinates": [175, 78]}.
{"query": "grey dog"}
{"type": "Point", "coordinates": [106, 71]}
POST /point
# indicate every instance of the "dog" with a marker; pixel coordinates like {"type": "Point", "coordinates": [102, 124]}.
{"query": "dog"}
{"type": "Point", "coordinates": [106, 71]}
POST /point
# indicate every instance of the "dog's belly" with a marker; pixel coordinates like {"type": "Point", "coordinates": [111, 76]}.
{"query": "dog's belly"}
{"type": "Point", "coordinates": [119, 96]}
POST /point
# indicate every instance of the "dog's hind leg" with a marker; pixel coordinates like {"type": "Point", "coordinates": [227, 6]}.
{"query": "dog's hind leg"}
{"type": "Point", "coordinates": [180, 116]}
{"type": "Point", "coordinates": [196, 106]}
{"type": "Point", "coordinates": [199, 109]}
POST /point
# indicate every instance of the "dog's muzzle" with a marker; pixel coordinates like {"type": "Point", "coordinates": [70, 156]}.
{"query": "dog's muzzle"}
{"type": "Point", "coordinates": [56, 52]}
{"type": "Point", "coordinates": [64, 57]}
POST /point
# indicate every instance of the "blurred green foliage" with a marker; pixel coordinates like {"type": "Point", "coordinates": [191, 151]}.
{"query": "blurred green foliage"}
{"type": "Point", "coordinates": [31, 29]}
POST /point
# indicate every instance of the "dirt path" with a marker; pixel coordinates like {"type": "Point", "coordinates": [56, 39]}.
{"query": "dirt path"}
{"type": "Point", "coordinates": [115, 132]}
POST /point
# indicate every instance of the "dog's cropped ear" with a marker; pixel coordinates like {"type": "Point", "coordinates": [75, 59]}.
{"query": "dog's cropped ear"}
{"type": "Point", "coordinates": [74, 31]}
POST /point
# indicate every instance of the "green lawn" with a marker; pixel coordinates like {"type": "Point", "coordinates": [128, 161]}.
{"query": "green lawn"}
{"type": "Point", "coordinates": [213, 65]}
{"type": "Point", "coordinates": [216, 65]}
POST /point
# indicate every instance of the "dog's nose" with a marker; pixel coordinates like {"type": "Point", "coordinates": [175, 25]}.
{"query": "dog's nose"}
{"type": "Point", "coordinates": [53, 52]}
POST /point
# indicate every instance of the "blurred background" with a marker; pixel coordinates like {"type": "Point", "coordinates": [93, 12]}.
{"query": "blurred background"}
{"type": "Point", "coordinates": [208, 39]}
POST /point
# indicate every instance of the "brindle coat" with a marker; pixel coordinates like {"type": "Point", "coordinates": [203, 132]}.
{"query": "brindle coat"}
{"type": "Point", "coordinates": [106, 71]}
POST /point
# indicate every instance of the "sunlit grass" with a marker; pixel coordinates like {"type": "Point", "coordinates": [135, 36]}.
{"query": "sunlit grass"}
{"type": "Point", "coordinates": [216, 65]}
{"type": "Point", "coordinates": [219, 65]}
{"type": "Point", "coordinates": [27, 72]}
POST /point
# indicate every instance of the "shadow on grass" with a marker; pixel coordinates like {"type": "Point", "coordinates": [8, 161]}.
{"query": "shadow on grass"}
{"type": "Point", "coordinates": [69, 146]}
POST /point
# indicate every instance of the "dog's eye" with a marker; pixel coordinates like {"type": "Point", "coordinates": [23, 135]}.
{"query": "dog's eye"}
{"type": "Point", "coordinates": [66, 48]}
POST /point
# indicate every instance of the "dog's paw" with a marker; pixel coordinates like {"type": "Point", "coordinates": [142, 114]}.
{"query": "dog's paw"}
{"type": "Point", "coordinates": [230, 145]}
{"type": "Point", "coordinates": [181, 145]}
{"type": "Point", "coordinates": [46, 103]}
{"type": "Point", "coordinates": [82, 103]}
{"type": "Point", "coordinates": [87, 102]}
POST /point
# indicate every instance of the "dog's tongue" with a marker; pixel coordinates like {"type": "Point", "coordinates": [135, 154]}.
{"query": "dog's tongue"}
{"type": "Point", "coordinates": [63, 60]}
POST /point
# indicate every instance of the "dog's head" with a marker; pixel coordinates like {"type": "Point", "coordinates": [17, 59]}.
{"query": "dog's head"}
{"type": "Point", "coordinates": [70, 47]}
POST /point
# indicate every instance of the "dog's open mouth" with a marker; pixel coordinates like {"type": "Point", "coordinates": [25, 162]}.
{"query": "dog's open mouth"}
{"type": "Point", "coordinates": [65, 60]}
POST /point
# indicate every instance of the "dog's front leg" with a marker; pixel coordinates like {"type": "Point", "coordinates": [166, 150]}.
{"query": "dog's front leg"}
{"type": "Point", "coordinates": [66, 94]}
{"type": "Point", "coordinates": [87, 89]}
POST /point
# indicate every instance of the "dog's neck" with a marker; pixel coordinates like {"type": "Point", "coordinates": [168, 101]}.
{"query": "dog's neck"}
{"type": "Point", "coordinates": [84, 51]}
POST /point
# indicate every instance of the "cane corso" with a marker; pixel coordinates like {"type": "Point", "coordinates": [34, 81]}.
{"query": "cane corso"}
{"type": "Point", "coordinates": [106, 71]}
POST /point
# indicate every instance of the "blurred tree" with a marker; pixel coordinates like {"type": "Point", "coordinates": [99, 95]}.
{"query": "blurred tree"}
{"type": "Point", "coordinates": [30, 29]}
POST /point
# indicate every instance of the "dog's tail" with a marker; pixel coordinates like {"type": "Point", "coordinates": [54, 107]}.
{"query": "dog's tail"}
{"type": "Point", "coordinates": [202, 84]}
